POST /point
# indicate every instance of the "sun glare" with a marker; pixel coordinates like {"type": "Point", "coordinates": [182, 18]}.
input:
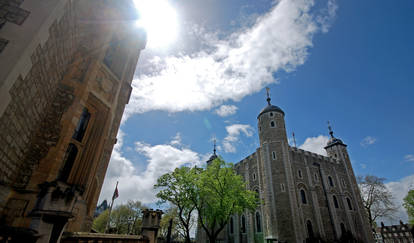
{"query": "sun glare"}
{"type": "Point", "coordinates": [159, 19]}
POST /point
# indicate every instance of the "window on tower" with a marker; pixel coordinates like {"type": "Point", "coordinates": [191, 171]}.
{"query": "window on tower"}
{"type": "Point", "coordinates": [273, 155]}
{"type": "Point", "coordinates": [303, 196]}
{"type": "Point", "coordinates": [271, 113]}
{"type": "Point", "coordinates": [258, 222]}
{"type": "Point", "coordinates": [299, 173]}
{"type": "Point", "coordinates": [335, 201]}
{"type": "Point", "coordinates": [272, 124]}
{"type": "Point", "coordinates": [349, 203]}
{"type": "Point", "coordinates": [82, 125]}
{"type": "Point", "coordinates": [330, 181]}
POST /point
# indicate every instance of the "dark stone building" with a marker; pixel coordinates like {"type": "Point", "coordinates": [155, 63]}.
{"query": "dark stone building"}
{"type": "Point", "coordinates": [65, 78]}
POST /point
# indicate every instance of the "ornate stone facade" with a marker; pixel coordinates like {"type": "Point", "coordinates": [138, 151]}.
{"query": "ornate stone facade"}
{"type": "Point", "coordinates": [63, 90]}
{"type": "Point", "coordinates": [305, 197]}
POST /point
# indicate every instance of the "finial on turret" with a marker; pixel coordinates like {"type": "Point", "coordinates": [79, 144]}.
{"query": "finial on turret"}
{"type": "Point", "coordinates": [294, 139]}
{"type": "Point", "coordinates": [330, 130]}
{"type": "Point", "coordinates": [268, 95]}
{"type": "Point", "coordinates": [214, 150]}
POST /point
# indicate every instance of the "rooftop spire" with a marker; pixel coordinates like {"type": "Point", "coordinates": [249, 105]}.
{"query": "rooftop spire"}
{"type": "Point", "coordinates": [330, 130]}
{"type": "Point", "coordinates": [214, 150]}
{"type": "Point", "coordinates": [268, 95]}
{"type": "Point", "coordinates": [294, 139]}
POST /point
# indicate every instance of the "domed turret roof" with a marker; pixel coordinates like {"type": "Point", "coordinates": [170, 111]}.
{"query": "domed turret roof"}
{"type": "Point", "coordinates": [333, 141]}
{"type": "Point", "coordinates": [269, 108]}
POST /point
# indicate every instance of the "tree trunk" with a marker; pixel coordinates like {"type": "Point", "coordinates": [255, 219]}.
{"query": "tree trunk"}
{"type": "Point", "coordinates": [212, 238]}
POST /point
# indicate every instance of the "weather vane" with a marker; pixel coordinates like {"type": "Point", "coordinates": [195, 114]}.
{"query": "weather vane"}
{"type": "Point", "coordinates": [330, 129]}
{"type": "Point", "coordinates": [214, 150]}
{"type": "Point", "coordinates": [268, 95]}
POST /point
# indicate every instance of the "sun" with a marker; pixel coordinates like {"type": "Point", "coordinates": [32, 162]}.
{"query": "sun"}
{"type": "Point", "coordinates": [160, 21]}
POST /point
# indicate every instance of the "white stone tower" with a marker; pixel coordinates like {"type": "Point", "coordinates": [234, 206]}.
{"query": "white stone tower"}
{"type": "Point", "coordinates": [277, 192]}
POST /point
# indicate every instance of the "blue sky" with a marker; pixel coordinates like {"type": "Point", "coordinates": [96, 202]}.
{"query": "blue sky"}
{"type": "Point", "coordinates": [349, 62]}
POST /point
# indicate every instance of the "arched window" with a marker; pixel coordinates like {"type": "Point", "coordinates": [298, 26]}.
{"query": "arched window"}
{"type": "Point", "coordinates": [330, 181]}
{"type": "Point", "coordinates": [258, 222]}
{"type": "Point", "coordinates": [254, 176]}
{"type": "Point", "coordinates": [335, 201]}
{"type": "Point", "coordinates": [68, 161]}
{"type": "Point", "coordinates": [303, 196]}
{"type": "Point", "coordinates": [309, 229]}
{"type": "Point", "coordinates": [273, 155]}
{"type": "Point", "coordinates": [272, 124]}
{"type": "Point", "coordinates": [243, 226]}
{"type": "Point", "coordinates": [82, 125]}
{"type": "Point", "coordinates": [349, 203]}
{"type": "Point", "coordinates": [343, 229]}
{"type": "Point", "coordinates": [231, 225]}
{"type": "Point", "coordinates": [271, 113]}
{"type": "Point", "coordinates": [300, 173]}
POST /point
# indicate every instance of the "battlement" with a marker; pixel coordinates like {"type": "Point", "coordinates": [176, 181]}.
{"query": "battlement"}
{"type": "Point", "coordinates": [314, 155]}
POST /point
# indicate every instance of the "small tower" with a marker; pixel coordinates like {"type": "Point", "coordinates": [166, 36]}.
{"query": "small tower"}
{"type": "Point", "coordinates": [214, 156]}
{"type": "Point", "coordinates": [271, 123]}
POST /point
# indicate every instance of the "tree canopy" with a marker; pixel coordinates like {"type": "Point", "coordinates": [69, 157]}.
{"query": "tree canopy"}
{"type": "Point", "coordinates": [125, 219]}
{"type": "Point", "coordinates": [409, 205]}
{"type": "Point", "coordinates": [376, 198]}
{"type": "Point", "coordinates": [216, 193]}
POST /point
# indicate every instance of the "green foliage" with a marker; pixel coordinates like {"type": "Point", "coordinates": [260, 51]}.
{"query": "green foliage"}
{"type": "Point", "coordinates": [99, 223]}
{"type": "Point", "coordinates": [125, 219]}
{"type": "Point", "coordinates": [409, 205]}
{"type": "Point", "coordinates": [178, 187]}
{"type": "Point", "coordinates": [216, 193]}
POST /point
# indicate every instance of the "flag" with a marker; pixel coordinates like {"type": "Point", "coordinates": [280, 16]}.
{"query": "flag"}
{"type": "Point", "coordinates": [116, 195]}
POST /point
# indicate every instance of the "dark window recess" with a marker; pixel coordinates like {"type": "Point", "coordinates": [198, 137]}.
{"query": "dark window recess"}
{"type": "Point", "coordinates": [3, 42]}
{"type": "Point", "coordinates": [68, 161]}
{"type": "Point", "coordinates": [258, 222]}
{"type": "Point", "coordinates": [349, 203]}
{"type": "Point", "coordinates": [343, 229]}
{"type": "Point", "coordinates": [82, 125]}
{"type": "Point", "coordinates": [257, 193]}
{"type": "Point", "coordinates": [300, 173]}
{"type": "Point", "coordinates": [115, 56]}
{"type": "Point", "coordinates": [303, 196]}
{"type": "Point", "coordinates": [309, 229]}
{"type": "Point", "coordinates": [243, 226]}
{"type": "Point", "coordinates": [272, 124]}
{"type": "Point", "coordinates": [335, 202]}
{"type": "Point", "coordinates": [271, 113]}
{"type": "Point", "coordinates": [330, 181]}
{"type": "Point", "coordinates": [231, 225]}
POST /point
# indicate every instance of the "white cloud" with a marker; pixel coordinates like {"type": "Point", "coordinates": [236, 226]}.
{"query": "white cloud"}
{"type": "Point", "coordinates": [233, 136]}
{"type": "Point", "coordinates": [232, 67]}
{"type": "Point", "coordinates": [226, 110]}
{"type": "Point", "coordinates": [176, 139]}
{"type": "Point", "coordinates": [368, 140]}
{"type": "Point", "coordinates": [315, 144]}
{"type": "Point", "coordinates": [409, 157]}
{"type": "Point", "coordinates": [138, 185]}
{"type": "Point", "coordinates": [399, 190]}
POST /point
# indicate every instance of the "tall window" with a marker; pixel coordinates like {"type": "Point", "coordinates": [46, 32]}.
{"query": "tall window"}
{"type": "Point", "coordinates": [258, 222]}
{"type": "Point", "coordinates": [82, 125]}
{"type": "Point", "coordinates": [69, 160]}
{"type": "Point", "coordinates": [300, 173]}
{"type": "Point", "coordinates": [303, 196]}
{"type": "Point", "coordinates": [343, 229]}
{"type": "Point", "coordinates": [335, 202]}
{"type": "Point", "coordinates": [330, 181]}
{"type": "Point", "coordinates": [349, 203]}
{"type": "Point", "coordinates": [273, 155]}
{"type": "Point", "coordinates": [231, 225]}
{"type": "Point", "coordinates": [243, 226]}
{"type": "Point", "coordinates": [272, 124]}
{"type": "Point", "coordinates": [309, 229]}
{"type": "Point", "coordinates": [271, 113]}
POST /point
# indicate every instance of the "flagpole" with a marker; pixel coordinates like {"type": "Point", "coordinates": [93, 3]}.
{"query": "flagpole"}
{"type": "Point", "coordinates": [110, 208]}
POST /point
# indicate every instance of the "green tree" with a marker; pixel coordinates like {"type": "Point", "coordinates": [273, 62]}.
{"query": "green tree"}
{"type": "Point", "coordinates": [409, 205]}
{"type": "Point", "coordinates": [177, 188]}
{"type": "Point", "coordinates": [376, 198]}
{"type": "Point", "coordinates": [125, 219]}
{"type": "Point", "coordinates": [220, 193]}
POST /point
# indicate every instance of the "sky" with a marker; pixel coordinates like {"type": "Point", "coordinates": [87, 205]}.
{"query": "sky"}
{"type": "Point", "coordinates": [348, 62]}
